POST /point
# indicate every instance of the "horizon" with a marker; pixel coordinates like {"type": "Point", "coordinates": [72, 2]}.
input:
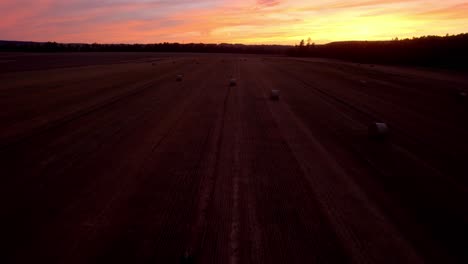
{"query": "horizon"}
{"type": "Point", "coordinates": [227, 43]}
{"type": "Point", "coordinates": [249, 22]}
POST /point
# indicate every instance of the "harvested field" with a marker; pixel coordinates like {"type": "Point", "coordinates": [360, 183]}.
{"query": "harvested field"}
{"type": "Point", "coordinates": [105, 158]}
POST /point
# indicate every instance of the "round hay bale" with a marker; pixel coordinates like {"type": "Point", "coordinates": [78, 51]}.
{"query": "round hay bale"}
{"type": "Point", "coordinates": [179, 77]}
{"type": "Point", "coordinates": [274, 95]}
{"type": "Point", "coordinates": [187, 258]}
{"type": "Point", "coordinates": [462, 95]}
{"type": "Point", "coordinates": [232, 82]}
{"type": "Point", "coordinates": [378, 130]}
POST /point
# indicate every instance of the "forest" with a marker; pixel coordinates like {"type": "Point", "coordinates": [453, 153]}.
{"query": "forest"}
{"type": "Point", "coordinates": [431, 51]}
{"type": "Point", "coordinates": [448, 51]}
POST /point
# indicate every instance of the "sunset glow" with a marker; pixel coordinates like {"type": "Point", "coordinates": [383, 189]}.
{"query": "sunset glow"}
{"type": "Point", "coordinates": [218, 21]}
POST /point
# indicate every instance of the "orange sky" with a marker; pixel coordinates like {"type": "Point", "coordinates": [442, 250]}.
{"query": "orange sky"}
{"type": "Point", "coordinates": [216, 21]}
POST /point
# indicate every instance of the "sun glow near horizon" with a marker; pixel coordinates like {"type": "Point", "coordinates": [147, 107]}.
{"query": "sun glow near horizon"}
{"type": "Point", "coordinates": [223, 21]}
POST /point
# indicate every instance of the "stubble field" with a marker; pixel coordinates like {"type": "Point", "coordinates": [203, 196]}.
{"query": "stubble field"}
{"type": "Point", "coordinates": [107, 158]}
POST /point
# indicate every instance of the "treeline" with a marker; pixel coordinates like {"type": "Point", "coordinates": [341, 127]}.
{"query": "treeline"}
{"type": "Point", "coordinates": [431, 51]}
{"type": "Point", "coordinates": [160, 47]}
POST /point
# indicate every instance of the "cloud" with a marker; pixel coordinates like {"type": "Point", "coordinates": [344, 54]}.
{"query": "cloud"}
{"type": "Point", "coordinates": [268, 2]}
{"type": "Point", "coordinates": [458, 11]}
{"type": "Point", "coordinates": [248, 21]}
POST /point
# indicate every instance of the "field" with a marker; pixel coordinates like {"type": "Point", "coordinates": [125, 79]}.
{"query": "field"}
{"type": "Point", "coordinates": [106, 158]}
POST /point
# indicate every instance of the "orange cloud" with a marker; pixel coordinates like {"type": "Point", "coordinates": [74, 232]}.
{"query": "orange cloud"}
{"type": "Point", "coordinates": [215, 21]}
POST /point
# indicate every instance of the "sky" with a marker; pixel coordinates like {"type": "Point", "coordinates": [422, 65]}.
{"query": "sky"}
{"type": "Point", "coordinates": [228, 21]}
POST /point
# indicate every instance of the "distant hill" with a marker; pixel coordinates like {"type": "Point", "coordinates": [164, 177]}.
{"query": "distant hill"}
{"type": "Point", "coordinates": [13, 42]}
{"type": "Point", "coordinates": [432, 51]}
{"type": "Point", "coordinates": [28, 46]}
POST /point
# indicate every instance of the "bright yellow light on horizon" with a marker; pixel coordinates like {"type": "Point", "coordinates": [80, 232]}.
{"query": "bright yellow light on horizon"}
{"type": "Point", "coordinates": [380, 21]}
{"type": "Point", "coordinates": [360, 28]}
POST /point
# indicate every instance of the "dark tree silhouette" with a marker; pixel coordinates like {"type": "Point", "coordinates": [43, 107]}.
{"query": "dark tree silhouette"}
{"type": "Point", "coordinates": [160, 47]}
{"type": "Point", "coordinates": [431, 51]}
{"type": "Point", "coordinates": [301, 44]}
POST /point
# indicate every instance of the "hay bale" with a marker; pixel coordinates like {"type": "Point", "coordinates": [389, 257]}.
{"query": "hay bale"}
{"type": "Point", "coordinates": [378, 130]}
{"type": "Point", "coordinates": [462, 95]}
{"type": "Point", "coordinates": [187, 258]}
{"type": "Point", "coordinates": [179, 77]}
{"type": "Point", "coordinates": [274, 95]}
{"type": "Point", "coordinates": [233, 82]}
